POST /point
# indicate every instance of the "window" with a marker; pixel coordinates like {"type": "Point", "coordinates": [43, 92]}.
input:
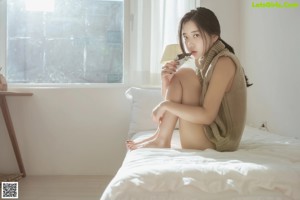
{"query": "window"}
{"type": "Point", "coordinates": [69, 41]}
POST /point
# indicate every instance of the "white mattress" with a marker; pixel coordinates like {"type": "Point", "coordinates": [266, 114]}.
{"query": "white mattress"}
{"type": "Point", "coordinates": [266, 166]}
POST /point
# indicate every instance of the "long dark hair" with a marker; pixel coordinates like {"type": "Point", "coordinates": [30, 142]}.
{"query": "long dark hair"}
{"type": "Point", "coordinates": [207, 22]}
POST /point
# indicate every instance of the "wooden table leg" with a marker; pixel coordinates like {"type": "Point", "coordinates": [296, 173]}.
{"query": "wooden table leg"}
{"type": "Point", "coordinates": [11, 132]}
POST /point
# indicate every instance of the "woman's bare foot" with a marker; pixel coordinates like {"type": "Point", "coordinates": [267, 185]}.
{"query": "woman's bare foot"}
{"type": "Point", "coordinates": [130, 143]}
{"type": "Point", "coordinates": [156, 142]}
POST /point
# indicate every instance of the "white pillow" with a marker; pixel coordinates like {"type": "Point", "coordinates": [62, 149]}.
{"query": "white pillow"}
{"type": "Point", "coordinates": [143, 100]}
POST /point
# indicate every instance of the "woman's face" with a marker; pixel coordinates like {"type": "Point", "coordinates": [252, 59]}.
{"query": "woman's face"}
{"type": "Point", "coordinates": [193, 40]}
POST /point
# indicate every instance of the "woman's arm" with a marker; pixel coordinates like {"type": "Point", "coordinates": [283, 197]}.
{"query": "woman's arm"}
{"type": "Point", "coordinates": [167, 73]}
{"type": "Point", "coordinates": [220, 83]}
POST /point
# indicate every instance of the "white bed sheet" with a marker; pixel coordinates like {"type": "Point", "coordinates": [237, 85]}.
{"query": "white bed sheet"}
{"type": "Point", "coordinates": [266, 166]}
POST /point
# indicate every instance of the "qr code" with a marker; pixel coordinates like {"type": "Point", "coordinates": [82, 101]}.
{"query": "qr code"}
{"type": "Point", "coordinates": [9, 190]}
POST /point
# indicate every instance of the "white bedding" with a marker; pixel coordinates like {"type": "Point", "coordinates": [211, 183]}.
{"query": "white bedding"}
{"type": "Point", "coordinates": [266, 166]}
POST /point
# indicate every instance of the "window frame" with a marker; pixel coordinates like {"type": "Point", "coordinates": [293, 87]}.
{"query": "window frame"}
{"type": "Point", "coordinates": [126, 45]}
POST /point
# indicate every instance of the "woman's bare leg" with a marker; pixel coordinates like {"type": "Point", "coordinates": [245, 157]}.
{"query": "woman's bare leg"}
{"type": "Point", "coordinates": [184, 88]}
{"type": "Point", "coordinates": [163, 135]}
{"type": "Point", "coordinates": [192, 135]}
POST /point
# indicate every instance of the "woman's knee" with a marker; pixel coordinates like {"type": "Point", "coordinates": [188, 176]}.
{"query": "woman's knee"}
{"type": "Point", "coordinates": [187, 76]}
{"type": "Point", "coordinates": [178, 80]}
{"type": "Point", "coordinates": [183, 73]}
{"type": "Point", "coordinates": [184, 87]}
{"type": "Point", "coordinates": [174, 92]}
{"type": "Point", "coordinates": [190, 84]}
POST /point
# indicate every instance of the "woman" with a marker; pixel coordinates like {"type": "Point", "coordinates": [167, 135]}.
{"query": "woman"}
{"type": "Point", "coordinates": [209, 102]}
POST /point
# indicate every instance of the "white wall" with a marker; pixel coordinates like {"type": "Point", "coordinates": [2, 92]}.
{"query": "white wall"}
{"type": "Point", "coordinates": [228, 14]}
{"type": "Point", "coordinates": [67, 131]}
{"type": "Point", "coordinates": [270, 49]}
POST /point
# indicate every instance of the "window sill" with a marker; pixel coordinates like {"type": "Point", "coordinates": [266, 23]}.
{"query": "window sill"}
{"type": "Point", "coordinates": [16, 86]}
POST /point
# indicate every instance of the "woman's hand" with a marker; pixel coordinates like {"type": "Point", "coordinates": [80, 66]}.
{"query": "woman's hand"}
{"type": "Point", "coordinates": [167, 72]}
{"type": "Point", "coordinates": [158, 112]}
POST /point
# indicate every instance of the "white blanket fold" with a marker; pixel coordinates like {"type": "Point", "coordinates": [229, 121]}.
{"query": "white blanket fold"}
{"type": "Point", "coordinates": [266, 166]}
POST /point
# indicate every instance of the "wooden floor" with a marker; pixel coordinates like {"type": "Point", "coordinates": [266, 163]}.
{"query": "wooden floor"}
{"type": "Point", "coordinates": [62, 187]}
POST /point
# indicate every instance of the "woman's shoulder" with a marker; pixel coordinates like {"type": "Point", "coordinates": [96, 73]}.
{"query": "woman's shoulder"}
{"type": "Point", "coordinates": [225, 62]}
{"type": "Point", "coordinates": [226, 58]}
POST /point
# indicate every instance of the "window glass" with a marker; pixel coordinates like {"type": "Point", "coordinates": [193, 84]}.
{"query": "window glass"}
{"type": "Point", "coordinates": [64, 41]}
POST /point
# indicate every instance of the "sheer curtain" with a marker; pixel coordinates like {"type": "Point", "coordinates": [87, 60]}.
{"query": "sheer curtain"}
{"type": "Point", "coordinates": [154, 24]}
